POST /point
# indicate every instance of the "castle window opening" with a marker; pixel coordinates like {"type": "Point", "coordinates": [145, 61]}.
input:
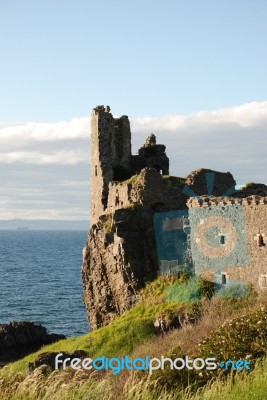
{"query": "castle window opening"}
{"type": "Point", "coordinates": [260, 240]}
{"type": "Point", "coordinates": [117, 201]}
{"type": "Point", "coordinates": [95, 170]}
{"type": "Point", "coordinates": [263, 281]}
{"type": "Point", "coordinates": [224, 279]}
{"type": "Point", "coordinates": [222, 239]}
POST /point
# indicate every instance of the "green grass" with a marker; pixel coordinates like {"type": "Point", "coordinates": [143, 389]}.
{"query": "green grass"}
{"type": "Point", "coordinates": [133, 334]}
{"type": "Point", "coordinates": [123, 334]}
{"type": "Point", "coordinates": [134, 180]}
{"type": "Point", "coordinates": [107, 223]}
{"type": "Point", "coordinates": [249, 185]}
{"type": "Point", "coordinates": [174, 181]}
{"type": "Point", "coordinates": [184, 293]}
{"type": "Point", "coordinates": [154, 292]}
{"type": "Point", "coordinates": [244, 386]}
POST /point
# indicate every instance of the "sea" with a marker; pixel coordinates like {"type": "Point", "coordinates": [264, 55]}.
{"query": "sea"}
{"type": "Point", "coordinates": [41, 281]}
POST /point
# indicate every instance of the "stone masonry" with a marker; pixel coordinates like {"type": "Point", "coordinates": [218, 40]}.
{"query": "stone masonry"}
{"type": "Point", "coordinates": [111, 160]}
{"type": "Point", "coordinates": [126, 191]}
{"type": "Point", "coordinates": [239, 251]}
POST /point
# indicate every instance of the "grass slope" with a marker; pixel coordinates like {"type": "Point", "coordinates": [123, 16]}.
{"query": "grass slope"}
{"type": "Point", "coordinates": [133, 334]}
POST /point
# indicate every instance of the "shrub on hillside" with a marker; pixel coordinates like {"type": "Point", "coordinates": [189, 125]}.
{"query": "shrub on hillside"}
{"type": "Point", "coordinates": [244, 337]}
{"type": "Point", "coordinates": [234, 289]}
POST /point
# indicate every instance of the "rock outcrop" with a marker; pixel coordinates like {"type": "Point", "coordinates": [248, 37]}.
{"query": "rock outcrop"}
{"type": "Point", "coordinates": [252, 189]}
{"type": "Point", "coordinates": [17, 339]}
{"type": "Point", "coordinates": [119, 256]}
{"type": "Point", "coordinates": [49, 357]}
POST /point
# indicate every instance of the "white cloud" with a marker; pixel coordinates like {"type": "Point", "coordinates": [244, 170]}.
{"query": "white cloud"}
{"type": "Point", "coordinates": [231, 139]}
{"type": "Point", "coordinates": [48, 162]}
{"type": "Point", "coordinates": [231, 130]}
{"type": "Point", "coordinates": [246, 115]}
{"type": "Point", "coordinates": [77, 128]}
{"type": "Point", "coordinates": [32, 157]}
{"type": "Point", "coordinates": [45, 143]}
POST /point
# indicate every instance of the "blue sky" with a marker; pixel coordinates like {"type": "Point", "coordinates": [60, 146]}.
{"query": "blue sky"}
{"type": "Point", "coordinates": [61, 57]}
{"type": "Point", "coordinates": [156, 61]}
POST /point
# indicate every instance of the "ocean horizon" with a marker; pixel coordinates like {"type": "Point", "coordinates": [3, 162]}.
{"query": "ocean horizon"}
{"type": "Point", "coordinates": [41, 279]}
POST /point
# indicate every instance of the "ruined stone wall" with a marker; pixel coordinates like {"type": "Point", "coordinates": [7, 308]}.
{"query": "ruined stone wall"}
{"type": "Point", "coordinates": [242, 254]}
{"type": "Point", "coordinates": [121, 154]}
{"type": "Point", "coordinates": [149, 190]}
{"type": "Point", "coordinates": [101, 162]}
{"type": "Point", "coordinates": [151, 155]}
{"type": "Point", "coordinates": [110, 146]}
{"type": "Point", "coordinates": [207, 181]}
{"type": "Point", "coordinates": [119, 196]}
{"type": "Point", "coordinates": [111, 160]}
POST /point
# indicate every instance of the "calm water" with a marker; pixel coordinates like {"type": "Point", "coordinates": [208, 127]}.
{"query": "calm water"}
{"type": "Point", "coordinates": [40, 279]}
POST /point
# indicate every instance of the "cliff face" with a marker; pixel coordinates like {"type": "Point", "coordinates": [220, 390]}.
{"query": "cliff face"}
{"type": "Point", "coordinates": [120, 253]}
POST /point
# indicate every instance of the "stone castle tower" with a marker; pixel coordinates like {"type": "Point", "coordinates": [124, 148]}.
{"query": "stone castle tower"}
{"type": "Point", "coordinates": [112, 160]}
{"type": "Point", "coordinates": [110, 148]}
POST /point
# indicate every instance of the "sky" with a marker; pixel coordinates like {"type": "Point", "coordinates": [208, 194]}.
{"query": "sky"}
{"type": "Point", "coordinates": [192, 72]}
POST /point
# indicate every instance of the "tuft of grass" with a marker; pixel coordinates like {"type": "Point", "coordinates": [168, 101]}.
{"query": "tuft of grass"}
{"type": "Point", "coordinates": [107, 223]}
{"type": "Point", "coordinates": [234, 289]}
{"type": "Point", "coordinates": [184, 293]}
{"type": "Point", "coordinates": [174, 181]}
{"type": "Point", "coordinates": [249, 185]}
{"type": "Point", "coordinates": [134, 180]}
{"type": "Point", "coordinates": [241, 386]}
{"type": "Point", "coordinates": [155, 291]}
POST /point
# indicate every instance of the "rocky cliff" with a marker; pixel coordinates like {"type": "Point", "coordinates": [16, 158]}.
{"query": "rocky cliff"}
{"type": "Point", "coordinates": [120, 253]}
{"type": "Point", "coordinates": [18, 339]}
{"type": "Point", "coordinates": [119, 256]}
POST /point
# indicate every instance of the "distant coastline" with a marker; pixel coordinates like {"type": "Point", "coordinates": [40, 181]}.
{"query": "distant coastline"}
{"type": "Point", "coordinates": [43, 224]}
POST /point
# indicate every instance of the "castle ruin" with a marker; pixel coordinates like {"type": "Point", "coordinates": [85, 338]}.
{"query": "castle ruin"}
{"type": "Point", "coordinates": [112, 161]}
{"type": "Point", "coordinates": [128, 191]}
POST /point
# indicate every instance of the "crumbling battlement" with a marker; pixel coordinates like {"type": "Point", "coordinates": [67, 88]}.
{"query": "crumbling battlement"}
{"type": "Point", "coordinates": [207, 201]}
{"type": "Point", "coordinates": [147, 189]}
